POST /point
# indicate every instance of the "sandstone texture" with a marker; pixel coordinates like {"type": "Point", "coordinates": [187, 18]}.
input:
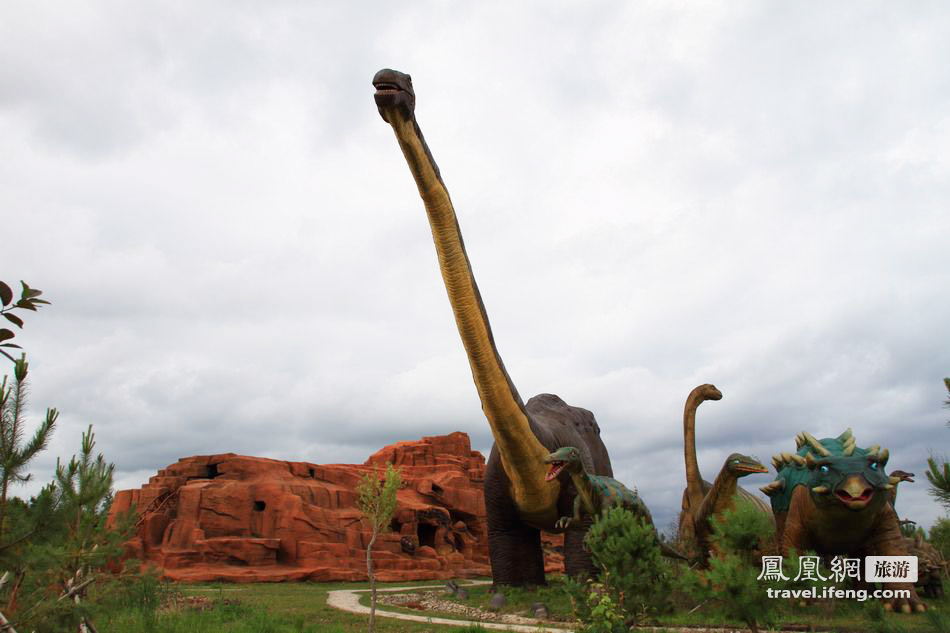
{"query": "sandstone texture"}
{"type": "Point", "coordinates": [250, 519]}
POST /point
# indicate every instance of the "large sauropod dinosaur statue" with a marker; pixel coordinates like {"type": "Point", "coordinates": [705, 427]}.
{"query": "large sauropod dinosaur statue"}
{"type": "Point", "coordinates": [703, 500]}
{"type": "Point", "coordinates": [518, 499]}
{"type": "Point", "coordinates": [833, 497]}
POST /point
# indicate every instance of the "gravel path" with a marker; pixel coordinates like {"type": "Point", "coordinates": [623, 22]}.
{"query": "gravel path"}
{"type": "Point", "coordinates": [348, 600]}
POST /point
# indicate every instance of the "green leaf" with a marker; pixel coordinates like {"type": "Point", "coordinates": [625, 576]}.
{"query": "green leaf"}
{"type": "Point", "coordinates": [40, 301]}
{"type": "Point", "coordinates": [26, 304]}
{"type": "Point", "coordinates": [14, 319]}
{"type": "Point", "coordinates": [26, 289]}
{"type": "Point", "coordinates": [5, 334]}
{"type": "Point", "coordinates": [33, 292]}
{"type": "Point", "coordinates": [6, 294]}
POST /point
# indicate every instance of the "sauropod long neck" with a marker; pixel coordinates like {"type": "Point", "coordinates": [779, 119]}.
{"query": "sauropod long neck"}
{"type": "Point", "coordinates": [521, 452]}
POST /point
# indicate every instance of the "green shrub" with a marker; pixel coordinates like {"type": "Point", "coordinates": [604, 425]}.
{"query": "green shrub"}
{"type": "Point", "coordinates": [731, 585]}
{"type": "Point", "coordinates": [633, 574]}
{"type": "Point", "coordinates": [940, 537]}
{"type": "Point", "coordinates": [744, 531]}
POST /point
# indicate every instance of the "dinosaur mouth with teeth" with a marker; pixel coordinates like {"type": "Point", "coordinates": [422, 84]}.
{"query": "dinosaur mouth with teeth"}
{"type": "Point", "coordinates": [384, 87]}
{"type": "Point", "coordinates": [393, 90]}
{"type": "Point", "coordinates": [556, 468]}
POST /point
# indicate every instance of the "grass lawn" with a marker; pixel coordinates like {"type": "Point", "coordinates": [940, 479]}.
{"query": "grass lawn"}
{"type": "Point", "coordinates": [302, 608]}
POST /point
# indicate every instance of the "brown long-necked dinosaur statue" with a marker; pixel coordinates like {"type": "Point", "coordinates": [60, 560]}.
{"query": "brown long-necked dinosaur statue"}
{"type": "Point", "coordinates": [703, 500]}
{"type": "Point", "coordinates": [518, 499]}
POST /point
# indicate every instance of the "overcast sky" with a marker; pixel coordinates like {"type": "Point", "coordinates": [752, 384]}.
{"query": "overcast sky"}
{"type": "Point", "coordinates": [654, 195]}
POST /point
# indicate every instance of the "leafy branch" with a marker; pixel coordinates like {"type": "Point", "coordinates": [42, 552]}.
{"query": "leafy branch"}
{"type": "Point", "coordinates": [28, 301]}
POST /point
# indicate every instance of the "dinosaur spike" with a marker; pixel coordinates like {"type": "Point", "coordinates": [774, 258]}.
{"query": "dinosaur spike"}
{"type": "Point", "coordinates": [816, 445]}
{"type": "Point", "coordinates": [883, 456]}
{"type": "Point", "coordinates": [798, 459]}
{"type": "Point", "coordinates": [873, 449]}
{"type": "Point", "coordinates": [820, 489]}
{"type": "Point", "coordinates": [848, 448]}
{"type": "Point", "coordinates": [777, 461]}
{"type": "Point", "coordinates": [844, 437]}
{"type": "Point", "coordinates": [799, 441]}
{"type": "Point", "coordinates": [772, 487]}
{"type": "Point", "coordinates": [810, 461]}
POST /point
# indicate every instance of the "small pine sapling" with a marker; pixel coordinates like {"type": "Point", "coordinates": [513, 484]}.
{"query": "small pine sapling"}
{"type": "Point", "coordinates": [626, 551]}
{"type": "Point", "coordinates": [731, 583]}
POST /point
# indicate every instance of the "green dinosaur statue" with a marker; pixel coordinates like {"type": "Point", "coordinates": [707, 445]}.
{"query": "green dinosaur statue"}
{"type": "Point", "coordinates": [596, 493]}
{"type": "Point", "coordinates": [703, 500]}
{"type": "Point", "coordinates": [833, 498]}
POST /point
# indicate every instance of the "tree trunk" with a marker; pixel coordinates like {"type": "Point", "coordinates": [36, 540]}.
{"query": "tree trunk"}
{"type": "Point", "coordinates": [372, 579]}
{"type": "Point", "coordinates": [3, 506]}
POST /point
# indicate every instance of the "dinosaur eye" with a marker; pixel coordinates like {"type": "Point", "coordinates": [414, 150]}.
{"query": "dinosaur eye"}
{"type": "Point", "coordinates": [824, 468]}
{"type": "Point", "coordinates": [874, 465]}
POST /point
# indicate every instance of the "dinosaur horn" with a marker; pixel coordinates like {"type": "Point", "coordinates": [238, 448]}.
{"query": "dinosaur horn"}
{"type": "Point", "coordinates": [844, 437]}
{"type": "Point", "coordinates": [883, 456]}
{"type": "Point", "coordinates": [810, 461]}
{"type": "Point", "coordinates": [798, 459]}
{"type": "Point", "coordinates": [816, 445]}
{"type": "Point", "coordinates": [799, 441]}
{"type": "Point", "coordinates": [777, 461]}
{"type": "Point", "coordinates": [773, 487]}
{"type": "Point", "coordinates": [873, 449]}
{"type": "Point", "coordinates": [848, 447]}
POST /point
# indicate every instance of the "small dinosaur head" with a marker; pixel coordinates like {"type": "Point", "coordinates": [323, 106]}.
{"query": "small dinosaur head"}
{"type": "Point", "coordinates": [741, 465]}
{"type": "Point", "coordinates": [394, 94]}
{"type": "Point", "coordinates": [709, 392]}
{"type": "Point", "coordinates": [566, 457]}
{"type": "Point", "coordinates": [898, 476]}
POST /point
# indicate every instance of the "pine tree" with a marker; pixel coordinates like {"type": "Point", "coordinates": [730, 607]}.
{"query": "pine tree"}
{"type": "Point", "coordinates": [14, 455]}
{"type": "Point", "coordinates": [624, 547]}
{"type": "Point", "coordinates": [939, 474]}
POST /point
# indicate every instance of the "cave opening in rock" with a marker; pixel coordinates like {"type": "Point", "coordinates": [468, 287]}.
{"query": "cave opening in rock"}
{"type": "Point", "coordinates": [426, 534]}
{"type": "Point", "coordinates": [212, 471]}
{"type": "Point", "coordinates": [259, 506]}
{"type": "Point", "coordinates": [313, 473]}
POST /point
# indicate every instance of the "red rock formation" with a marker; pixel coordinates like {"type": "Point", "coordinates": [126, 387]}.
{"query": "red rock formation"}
{"type": "Point", "coordinates": [250, 519]}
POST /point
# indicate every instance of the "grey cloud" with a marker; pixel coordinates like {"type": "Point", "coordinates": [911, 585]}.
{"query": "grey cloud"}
{"type": "Point", "coordinates": [652, 198]}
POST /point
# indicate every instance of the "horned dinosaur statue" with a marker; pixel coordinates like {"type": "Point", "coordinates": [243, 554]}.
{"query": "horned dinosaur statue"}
{"type": "Point", "coordinates": [833, 498]}
{"type": "Point", "coordinates": [596, 493]}
{"type": "Point", "coordinates": [519, 500]}
{"type": "Point", "coordinates": [703, 500]}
